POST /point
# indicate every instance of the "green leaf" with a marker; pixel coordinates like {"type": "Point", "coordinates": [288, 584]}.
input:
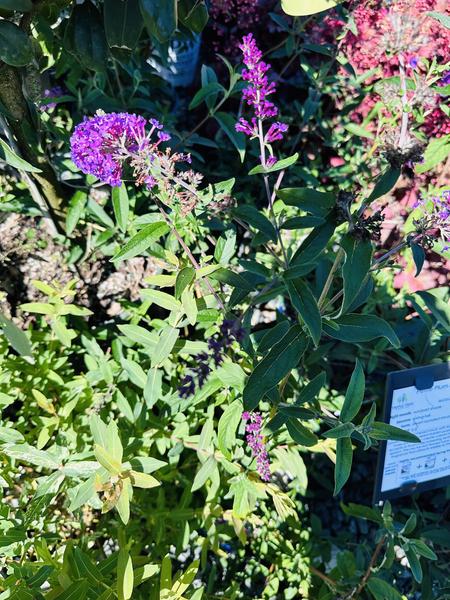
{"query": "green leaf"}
{"type": "Point", "coordinates": [123, 503]}
{"type": "Point", "coordinates": [125, 577]}
{"type": "Point", "coordinates": [313, 244]}
{"type": "Point", "coordinates": [436, 152]}
{"type": "Point", "coordinates": [161, 299]}
{"type": "Point", "coordinates": [204, 473]}
{"type": "Point", "coordinates": [185, 579]}
{"type": "Point", "coordinates": [204, 92]}
{"type": "Point", "coordinates": [305, 304]}
{"type": "Point", "coordinates": [86, 567]}
{"type": "Point", "coordinates": [120, 200]}
{"type": "Point", "coordinates": [184, 278]}
{"type": "Point", "coordinates": [15, 336]}
{"type": "Point", "coordinates": [301, 434]}
{"type": "Point", "coordinates": [76, 591]}
{"type": "Point", "coordinates": [139, 334]}
{"type": "Point", "coordinates": [9, 435]}
{"type": "Point", "coordinates": [272, 336]}
{"type": "Point", "coordinates": [228, 424]}
{"type": "Point", "coordinates": [354, 395]}
{"type": "Point", "coordinates": [280, 360]}
{"type": "Point", "coordinates": [358, 130]}
{"type": "Point", "coordinates": [278, 166]}
{"type": "Point", "coordinates": [76, 208]}
{"type": "Point", "coordinates": [381, 590]}
{"type": "Point", "coordinates": [310, 200]}
{"type": "Point", "coordinates": [253, 217]}
{"type": "Point", "coordinates": [86, 36]}
{"type": "Point", "coordinates": [194, 17]}
{"type": "Point", "coordinates": [107, 460]}
{"type": "Point", "coordinates": [123, 23]}
{"type": "Point", "coordinates": [14, 535]}
{"type": "Point", "coordinates": [136, 373]}
{"type": "Point", "coordinates": [142, 240]}
{"type": "Point", "coordinates": [418, 254]}
{"type": "Point", "coordinates": [414, 564]}
{"type": "Point", "coordinates": [167, 338]}
{"type": "Point", "coordinates": [301, 8]}
{"type": "Point", "coordinates": [358, 259]}
{"type": "Point", "coordinates": [385, 183]}
{"type": "Point", "coordinates": [189, 304]}
{"type": "Point", "coordinates": [422, 549]}
{"type": "Point", "coordinates": [410, 524]}
{"type": "Point", "coordinates": [15, 48]}
{"type": "Point", "coordinates": [312, 389]}
{"type": "Point", "coordinates": [344, 430]}
{"type": "Point", "coordinates": [153, 387]}
{"type": "Point", "coordinates": [11, 157]}
{"type": "Point", "coordinates": [225, 247]}
{"type": "Point", "coordinates": [361, 328]}
{"type": "Point", "coordinates": [143, 480]}
{"type": "Point", "coordinates": [160, 18]}
{"type": "Point", "coordinates": [363, 512]}
{"type": "Point", "coordinates": [344, 457]}
{"type": "Point", "coordinates": [302, 222]}
{"type": "Point", "coordinates": [441, 17]}
{"type": "Point", "coordinates": [100, 213]}
{"type": "Point", "coordinates": [439, 308]}
{"type": "Point", "coordinates": [28, 454]}
{"type": "Point", "coordinates": [146, 464]}
{"type": "Point", "coordinates": [384, 431]}
{"type": "Point", "coordinates": [237, 138]}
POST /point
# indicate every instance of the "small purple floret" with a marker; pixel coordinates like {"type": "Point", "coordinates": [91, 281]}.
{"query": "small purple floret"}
{"type": "Point", "coordinates": [94, 142]}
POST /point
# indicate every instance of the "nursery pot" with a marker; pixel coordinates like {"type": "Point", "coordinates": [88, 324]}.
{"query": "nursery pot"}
{"type": "Point", "coordinates": [179, 66]}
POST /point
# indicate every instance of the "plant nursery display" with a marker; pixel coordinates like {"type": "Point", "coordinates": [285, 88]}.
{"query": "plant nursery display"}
{"type": "Point", "coordinates": [224, 299]}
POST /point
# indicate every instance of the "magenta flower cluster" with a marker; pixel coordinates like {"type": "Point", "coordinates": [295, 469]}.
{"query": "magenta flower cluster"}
{"type": "Point", "coordinates": [257, 92]}
{"type": "Point", "coordinates": [100, 145]}
{"type": "Point", "coordinates": [253, 426]}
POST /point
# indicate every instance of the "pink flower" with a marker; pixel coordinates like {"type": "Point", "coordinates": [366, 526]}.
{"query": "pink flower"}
{"type": "Point", "coordinates": [256, 442]}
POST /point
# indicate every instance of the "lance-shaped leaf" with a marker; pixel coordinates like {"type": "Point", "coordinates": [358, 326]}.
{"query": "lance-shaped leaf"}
{"type": "Point", "coordinates": [360, 328]}
{"type": "Point", "coordinates": [358, 258]}
{"type": "Point", "coordinates": [142, 240]}
{"type": "Point", "coordinates": [344, 457]}
{"type": "Point", "coordinates": [355, 394]}
{"type": "Point", "coordinates": [279, 361]}
{"type": "Point", "coordinates": [305, 304]}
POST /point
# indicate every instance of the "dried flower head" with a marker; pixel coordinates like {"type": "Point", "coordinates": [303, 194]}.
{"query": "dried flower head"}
{"type": "Point", "coordinates": [434, 224]}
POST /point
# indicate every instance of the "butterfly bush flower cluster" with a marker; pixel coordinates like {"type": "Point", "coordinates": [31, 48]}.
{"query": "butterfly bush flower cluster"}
{"type": "Point", "coordinates": [435, 220]}
{"type": "Point", "coordinates": [107, 143]}
{"type": "Point", "coordinates": [256, 95]}
{"type": "Point", "coordinates": [229, 332]}
{"type": "Point", "coordinates": [255, 439]}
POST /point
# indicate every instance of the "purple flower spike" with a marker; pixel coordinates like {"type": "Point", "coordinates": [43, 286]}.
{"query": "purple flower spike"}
{"type": "Point", "coordinates": [95, 141]}
{"type": "Point", "coordinates": [256, 94]}
{"type": "Point", "coordinates": [256, 442]}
